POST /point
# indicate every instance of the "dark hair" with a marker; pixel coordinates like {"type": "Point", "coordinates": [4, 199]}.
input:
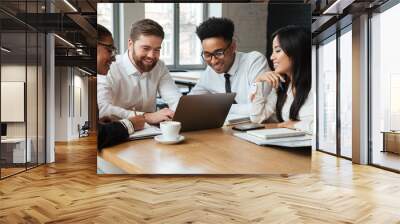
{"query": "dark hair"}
{"type": "Point", "coordinates": [102, 32]}
{"type": "Point", "coordinates": [216, 27]}
{"type": "Point", "coordinates": [146, 27]}
{"type": "Point", "coordinates": [295, 41]}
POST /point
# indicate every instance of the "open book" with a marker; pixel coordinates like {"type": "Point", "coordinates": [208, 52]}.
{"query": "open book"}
{"type": "Point", "coordinates": [147, 132]}
{"type": "Point", "coordinates": [275, 133]}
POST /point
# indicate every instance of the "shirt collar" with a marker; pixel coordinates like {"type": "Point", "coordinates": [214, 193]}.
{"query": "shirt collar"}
{"type": "Point", "coordinates": [232, 71]}
{"type": "Point", "coordinates": [130, 69]}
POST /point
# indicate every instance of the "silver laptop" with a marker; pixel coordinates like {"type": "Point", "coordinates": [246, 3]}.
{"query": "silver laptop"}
{"type": "Point", "coordinates": [198, 112]}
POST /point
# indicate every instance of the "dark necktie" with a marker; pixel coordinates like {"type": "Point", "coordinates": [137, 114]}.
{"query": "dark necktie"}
{"type": "Point", "coordinates": [227, 83]}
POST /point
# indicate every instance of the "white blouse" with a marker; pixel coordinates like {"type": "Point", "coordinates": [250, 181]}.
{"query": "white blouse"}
{"type": "Point", "coordinates": [264, 108]}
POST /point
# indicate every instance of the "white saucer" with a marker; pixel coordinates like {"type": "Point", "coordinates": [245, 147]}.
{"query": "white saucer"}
{"type": "Point", "coordinates": [159, 139]}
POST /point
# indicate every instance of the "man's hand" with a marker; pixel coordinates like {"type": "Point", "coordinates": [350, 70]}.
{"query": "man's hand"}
{"type": "Point", "coordinates": [138, 122]}
{"type": "Point", "coordinates": [162, 115]}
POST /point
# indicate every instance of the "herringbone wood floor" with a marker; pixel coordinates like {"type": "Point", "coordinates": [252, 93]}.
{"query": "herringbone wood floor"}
{"type": "Point", "coordinates": [69, 191]}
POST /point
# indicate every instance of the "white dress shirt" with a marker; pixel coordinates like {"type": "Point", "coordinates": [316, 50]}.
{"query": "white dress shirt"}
{"type": "Point", "coordinates": [264, 108]}
{"type": "Point", "coordinates": [125, 89]}
{"type": "Point", "coordinates": [244, 70]}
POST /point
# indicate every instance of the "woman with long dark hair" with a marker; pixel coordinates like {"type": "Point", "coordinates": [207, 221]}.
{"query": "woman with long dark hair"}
{"type": "Point", "coordinates": [290, 102]}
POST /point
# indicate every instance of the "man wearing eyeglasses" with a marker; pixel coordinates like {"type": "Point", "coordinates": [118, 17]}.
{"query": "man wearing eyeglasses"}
{"type": "Point", "coordinates": [111, 132]}
{"type": "Point", "coordinates": [138, 76]}
{"type": "Point", "coordinates": [228, 70]}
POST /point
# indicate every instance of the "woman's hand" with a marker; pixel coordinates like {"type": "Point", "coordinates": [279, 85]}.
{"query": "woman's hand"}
{"type": "Point", "coordinates": [270, 77]}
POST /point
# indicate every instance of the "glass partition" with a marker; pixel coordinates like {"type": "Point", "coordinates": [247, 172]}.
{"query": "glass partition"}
{"type": "Point", "coordinates": [327, 95]}
{"type": "Point", "coordinates": [22, 77]}
{"type": "Point", "coordinates": [14, 153]}
{"type": "Point", "coordinates": [385, 89]}
{"type": "Point", "coordinates": [346, 93]}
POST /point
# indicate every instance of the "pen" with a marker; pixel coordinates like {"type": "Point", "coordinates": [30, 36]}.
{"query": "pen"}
{"type": "Point", "coordinates": [134, 111]}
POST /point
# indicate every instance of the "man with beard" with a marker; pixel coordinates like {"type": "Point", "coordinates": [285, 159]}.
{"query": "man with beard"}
{"type": "Point", "coordinates": [137, 76]}
{"type": "Point", "coordinates": [228, 70]}
{"type": "Point", "coordinates": [111, 132]}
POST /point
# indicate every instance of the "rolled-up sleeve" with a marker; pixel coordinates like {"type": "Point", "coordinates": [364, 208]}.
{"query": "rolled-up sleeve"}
{"type": "Point", "coordinates": [104, 100]}
{"type": "Point", "coordinates": [263, 107]}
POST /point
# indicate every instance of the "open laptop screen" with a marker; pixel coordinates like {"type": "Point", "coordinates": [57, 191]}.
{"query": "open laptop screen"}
{"type": "Point", "coordinates": [198, 112]}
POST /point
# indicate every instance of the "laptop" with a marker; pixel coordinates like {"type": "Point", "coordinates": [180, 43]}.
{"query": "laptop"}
{"type": "Point", "coordinates": [199, 112]}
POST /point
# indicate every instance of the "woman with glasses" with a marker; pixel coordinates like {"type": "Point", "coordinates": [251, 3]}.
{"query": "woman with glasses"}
{"type": "Point", "coordinates": [290, 103]}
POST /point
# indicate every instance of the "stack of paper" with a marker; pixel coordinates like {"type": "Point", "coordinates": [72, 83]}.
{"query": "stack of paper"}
{"type": "Point", "coordinates": [236, 119]}
{"type": "Point", "coordinates": [277, 137]}
{"type": "Point", "coordinates": [147, 132]}
{"type": "Point", "coordinates": [276, 133]}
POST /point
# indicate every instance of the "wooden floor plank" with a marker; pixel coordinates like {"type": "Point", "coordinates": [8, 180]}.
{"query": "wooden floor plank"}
{"type": "Point", "coordinates": [70, 191]}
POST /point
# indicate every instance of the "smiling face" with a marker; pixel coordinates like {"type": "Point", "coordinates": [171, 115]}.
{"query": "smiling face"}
{"type": "Point", "coordinates": [214, 44]}
{"type": "Point", "coordinates": [282, 63]}
{"type": "Point", "coordinates": [104, 55]}
{"type": "Point", "coordinates": [145, 51]}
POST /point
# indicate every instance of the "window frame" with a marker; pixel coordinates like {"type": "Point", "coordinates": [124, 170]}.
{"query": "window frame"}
{"type": "Point", "coordinates": [334, 36]}
{"type": "Point", "coordinates": [176, 38]}
{"type": "Point", "coordinates": [379, 10]}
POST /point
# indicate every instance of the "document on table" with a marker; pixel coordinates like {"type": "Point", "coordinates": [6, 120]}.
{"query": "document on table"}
{"type": "Point", "coordinates": [275, 133]}
{"type": "Point", "coordinates": [236, 119]}
{"type": "Point", "coordinates": [148, 131]}
{"type": "Point", "coordinates": [299, 141]}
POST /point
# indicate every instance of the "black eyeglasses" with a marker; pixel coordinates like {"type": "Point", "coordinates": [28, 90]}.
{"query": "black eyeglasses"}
{"type": "Point", "coordinates": [111, 48]}
{"type": "Point", "coordinates": [219, 54]}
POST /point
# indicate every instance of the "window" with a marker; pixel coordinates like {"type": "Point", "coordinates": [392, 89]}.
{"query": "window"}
{"type": "Point", "coordinates": [385, 84]}
{"type": "Point", "coordinates": [105, 15]}
{"type": "Point", "coordinates": [345, 42]}
{"type": "Point", "coordinates": [163, 13]}
{"type": "Point", "coordinates": [327, 95]}
{"type": "Point", "coordinates": [181, 48]}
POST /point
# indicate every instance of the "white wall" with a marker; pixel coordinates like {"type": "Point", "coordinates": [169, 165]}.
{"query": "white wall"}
{"type": "Point", "coordinates": [250, 21]}
{"type": "Point", "coordinates": [69, 85]}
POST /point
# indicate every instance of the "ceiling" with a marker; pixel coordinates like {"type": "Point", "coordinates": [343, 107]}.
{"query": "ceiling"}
{"type": "Point", "coordinates": [23, 23]}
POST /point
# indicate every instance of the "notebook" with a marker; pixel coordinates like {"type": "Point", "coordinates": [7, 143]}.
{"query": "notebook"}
{"type": "Point", "coordinates": [291, 142]}
{"type": "Point", "coordinates": [236, 119]}
{"type": "Point", "coordinates": [147, 132]}
{"type": "Point", "coordinates": [276, 133]}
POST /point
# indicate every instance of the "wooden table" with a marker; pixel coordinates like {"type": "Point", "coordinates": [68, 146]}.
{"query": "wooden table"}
{"type": "Point", "coordinates": [213, 151]}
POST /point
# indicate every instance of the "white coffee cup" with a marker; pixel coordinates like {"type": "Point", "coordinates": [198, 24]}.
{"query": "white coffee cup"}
{"type": "Point", "coordinates": [170, 130]}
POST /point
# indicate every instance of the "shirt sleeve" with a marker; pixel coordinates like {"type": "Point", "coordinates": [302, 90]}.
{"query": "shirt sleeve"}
{"type": "Point", "coordinates": [242, 109]}
{"type": "Point", "coordinates": [201, 85]}
{"type": "Point", "coordinates": [168, 90]}
{"type": "Point", "coordinates": [111, 134]}
{"type": "Point", "coordinates": [104, 100]}
{"type": "Point", "coordinates": [258, 65]}
{"type": "Point", "coordinates": [263, 107]}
